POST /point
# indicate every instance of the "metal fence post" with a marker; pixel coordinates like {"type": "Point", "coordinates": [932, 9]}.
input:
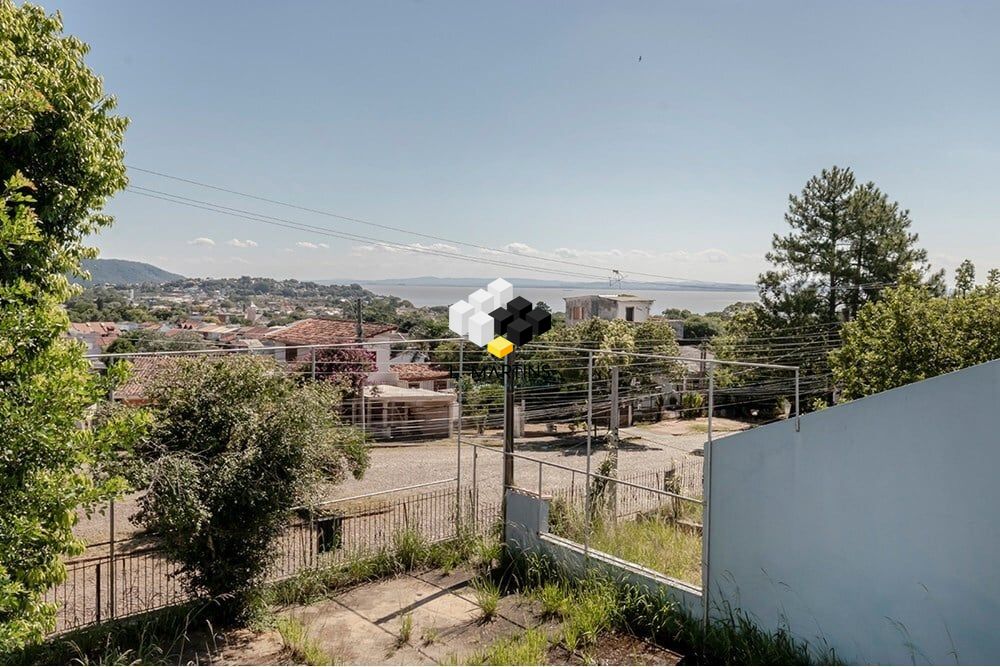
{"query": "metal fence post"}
{"type": "Point", "coordinates": [111, 561]}
{"type": "Point", "coordinates": [590, 430]}
{"type": "Point", "coordinates": [706, 581]}
{"type": "Point", "coordinates": [475, 488]}
{"type": "Point", "coordinates": [97, 597]}
{"type": "Point", "coordinates": [458, 471]}
{"type": "Point", "coordinates": [798, 412]}
{"type": "Point", "coordinates": [539, 497]}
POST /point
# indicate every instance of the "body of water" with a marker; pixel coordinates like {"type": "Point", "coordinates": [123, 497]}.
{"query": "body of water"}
{"type": "Point", "coordinates": [698, 301]}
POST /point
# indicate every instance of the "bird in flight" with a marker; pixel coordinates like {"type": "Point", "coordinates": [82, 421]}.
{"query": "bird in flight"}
{"type": "Point", "coordinates": [640, 58]}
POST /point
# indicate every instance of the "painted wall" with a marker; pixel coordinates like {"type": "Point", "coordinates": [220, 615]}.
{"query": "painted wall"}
{"type": "Point", "coordinates": [876, 528]}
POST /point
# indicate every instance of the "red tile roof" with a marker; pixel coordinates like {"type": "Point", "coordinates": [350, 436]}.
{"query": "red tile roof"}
{"type": "Point", "coordinates": [100, 328]}
{"type": "Point", "coordinates": [144, 371]}
{"type": "Point", "coordinates": [315, 331]}
{"type": "Point", "coordinates": [418, 372]}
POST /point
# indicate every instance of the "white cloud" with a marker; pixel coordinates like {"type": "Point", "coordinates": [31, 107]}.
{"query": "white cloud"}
{"type": "Point", "coordinates": [520, 248]}
{"type": "Point", "coordinates": [201, 240]}
{"type": "Point", "coordinates": [306, 244]}
{"type": "Point", "coordinates": [237, 243]}
{"type": "Point", "coordinates": [322, 245]}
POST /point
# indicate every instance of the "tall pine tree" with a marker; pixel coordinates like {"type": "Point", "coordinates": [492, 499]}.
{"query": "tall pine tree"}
{"type": "Point", "coordinates": [847, 242]}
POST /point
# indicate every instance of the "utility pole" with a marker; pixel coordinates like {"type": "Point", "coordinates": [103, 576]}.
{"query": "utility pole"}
{"type": "Point", "coordinates": [508, 422]}
{"type": "Point", "coordinates": [613, 444]}
{"type": "Point", "coordinates": [359, 329]}
{"type": "Point", "coordinates": [359, 332]}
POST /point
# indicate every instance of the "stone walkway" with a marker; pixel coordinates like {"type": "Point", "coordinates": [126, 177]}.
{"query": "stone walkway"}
{"type": "Point", "coordinates": [362, 625]}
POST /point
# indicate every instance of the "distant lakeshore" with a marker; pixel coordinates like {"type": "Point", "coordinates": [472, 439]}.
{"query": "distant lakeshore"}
{"type": "Point", "coordinates": [698, 301]}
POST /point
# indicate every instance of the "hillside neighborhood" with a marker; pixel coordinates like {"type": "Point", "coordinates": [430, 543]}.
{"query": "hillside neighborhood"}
{"type": "Point", "coordinates": [661, 343]}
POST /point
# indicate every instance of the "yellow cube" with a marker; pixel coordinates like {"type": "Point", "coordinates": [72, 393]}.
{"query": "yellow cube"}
{"type": "Point", "coordinates": [500, 347]}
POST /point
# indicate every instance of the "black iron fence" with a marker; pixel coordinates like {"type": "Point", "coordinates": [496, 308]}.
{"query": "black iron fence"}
{"type": "Point", "coordinates": [134, 577]}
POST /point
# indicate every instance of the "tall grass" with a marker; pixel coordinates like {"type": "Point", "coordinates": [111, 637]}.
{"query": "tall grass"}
{"type": "Point", "coordinates": [659, 540]}
{"type": "Point", "coordinates": [527, 648]}
{"type": "Point", "coordinates": [302, 648]}
{"type": "Point", "coordinates": [409, 551]}
{"type": "Point", "coordinates": [169, 636]}
{"type": "Point", "coordinates": [594, 604]}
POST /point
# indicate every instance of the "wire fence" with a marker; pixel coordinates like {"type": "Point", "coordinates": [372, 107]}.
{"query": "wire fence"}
{"type": "Point", "coordinates": [139, 578]}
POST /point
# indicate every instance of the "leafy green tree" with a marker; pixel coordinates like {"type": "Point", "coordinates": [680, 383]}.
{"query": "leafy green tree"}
{"type": "Point", "coordinates": [153, 341]}
{"type": "Point", "coordinates": [847, 243]}
{"type": "Point", "coordinates": [235, 444]}
{"type": "Point", "coordinates": [911, 334]}
{"type": "Point", "coordinates": [703, 326]}
{"type": "Point", "coordinates": [60, 159]}
{"type": "Point", "coordinates": [965, 277]}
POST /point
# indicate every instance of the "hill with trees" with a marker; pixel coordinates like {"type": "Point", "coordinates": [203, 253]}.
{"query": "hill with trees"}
{"type": "Point", "coordinates": [124, 272]}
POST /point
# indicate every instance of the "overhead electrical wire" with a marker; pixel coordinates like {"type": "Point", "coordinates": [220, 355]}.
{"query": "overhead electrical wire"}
{"type": "Point", "coordinates": [403, 230]}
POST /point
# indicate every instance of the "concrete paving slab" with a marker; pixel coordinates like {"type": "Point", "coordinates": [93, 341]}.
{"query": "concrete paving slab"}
{"type": "Point", "coordinates": [382, 599]}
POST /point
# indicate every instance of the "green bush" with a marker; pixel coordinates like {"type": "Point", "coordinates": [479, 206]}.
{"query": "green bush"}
{"type": "Point", "coordinates": [691, 404]}
{"type": "Point", "coordinates": [234, 445]}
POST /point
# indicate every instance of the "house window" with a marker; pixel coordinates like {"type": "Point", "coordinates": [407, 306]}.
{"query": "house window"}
{"type": "Point", "coordinates": [440, 385]}
{"type": "Point", "coordinates": [414, 385]}
{"type": "Point", "coordinates": [630, 313]}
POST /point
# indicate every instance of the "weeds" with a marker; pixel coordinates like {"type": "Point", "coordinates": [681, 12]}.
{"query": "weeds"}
{"type": "Point", "coordinates": [164, 637]}
{"type": "Point", "coordinates": [409, 551]}
{"type": "Point", "coordinates": [554, 600]}
{"type": "Point", "coordinates": [430, 636]}
{"type": "Point", "coordinates": [591, 612]}
{"type": "Point", "coordinates": [405, 629]}
{"type": "Point", "coordinates": [300, 646]}
{"type": "Point", "coordinates": [528, 648]}
{"type": "Point", "coordinates": [487, 596]}
{"type": "Point", "coordinates": [594, 605]}
{"type": "Point", "coordinates": [656, 541]}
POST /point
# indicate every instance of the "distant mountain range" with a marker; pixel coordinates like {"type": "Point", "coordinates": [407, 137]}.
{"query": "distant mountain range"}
{"type": "Point", "coordinates": [433, 281]}
{"type": "Point", "coordinates": [124, 272]}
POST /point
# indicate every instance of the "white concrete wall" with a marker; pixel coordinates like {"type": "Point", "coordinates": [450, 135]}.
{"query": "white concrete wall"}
{"type": "Point", "coordinates": [876, 528]}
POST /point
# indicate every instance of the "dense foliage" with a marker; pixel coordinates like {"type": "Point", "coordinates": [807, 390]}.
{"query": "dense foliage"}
{"type": "Point", "coordinates": [101, 304]}
{"type": "Point", "coordinates": [152, 341]}
{"type": "Point", "coordinates": [847, 243]}
{"type": "Point", "coordinates": [912, 334]}
{"type": "Point", "coordinates": [60, 159]}
{"type": "Point", "coordinates": [650, 337]}
{"type": "Point", "coordinates": [235, 444]}
{"type": "Point", "coordinates": [345, 367]}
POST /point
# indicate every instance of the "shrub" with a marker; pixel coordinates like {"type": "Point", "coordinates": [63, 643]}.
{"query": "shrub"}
{"type": "Point", "coordinates": [235, 444]}
{"type": "Point", "coordinates": [691, 404]}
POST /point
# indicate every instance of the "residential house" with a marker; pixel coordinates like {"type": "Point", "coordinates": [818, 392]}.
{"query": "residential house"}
{"type": "Point", "coordinates": [607, 307]}
{"type": "Point", "coordinates": [314, 331]}
{"type": "Point", "coordinates": [95, 335]}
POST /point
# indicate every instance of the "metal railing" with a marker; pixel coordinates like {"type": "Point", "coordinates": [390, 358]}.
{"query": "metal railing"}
{"type": "Point", "coordinates": [614, 499]}
{"type": "Point", "coordinates": [136, 576]}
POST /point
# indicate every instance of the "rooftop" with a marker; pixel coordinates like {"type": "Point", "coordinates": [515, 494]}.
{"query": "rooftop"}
{"type": "Point", "coordinates": [314, 331]}
{"type": "Point", "coordinates": [418, 372]}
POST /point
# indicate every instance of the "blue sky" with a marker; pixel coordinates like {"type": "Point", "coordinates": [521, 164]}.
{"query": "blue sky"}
{"type": "Point", "coordinates": [534, 126]}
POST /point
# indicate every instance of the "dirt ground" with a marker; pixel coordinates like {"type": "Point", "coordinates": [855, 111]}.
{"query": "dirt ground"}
{"type": "Point", "coordinates": [362, 626]}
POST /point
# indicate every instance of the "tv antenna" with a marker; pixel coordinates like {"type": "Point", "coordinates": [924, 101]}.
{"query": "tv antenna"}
{"type": "Point", "coordinates": [616, 279]}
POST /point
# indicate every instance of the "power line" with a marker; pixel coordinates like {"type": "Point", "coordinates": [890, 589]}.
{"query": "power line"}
{"type": "Point", "coordinates": [402, 230]}
{"type": "Point", "coordinates": [303, 227]}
